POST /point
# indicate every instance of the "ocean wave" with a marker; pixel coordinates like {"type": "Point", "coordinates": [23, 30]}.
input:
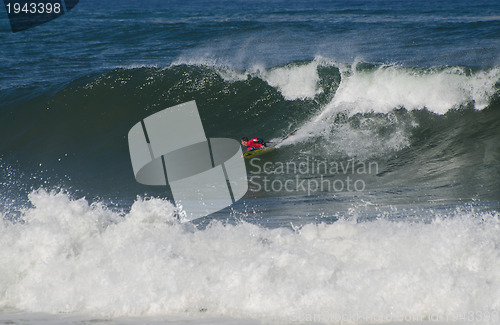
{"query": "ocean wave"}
{"type": "Point", "coordinates": [77, 134]}
{"type": "Point", "coordinates": [369, 97]}
{"type": "Point", "coordinates": [73, 256]}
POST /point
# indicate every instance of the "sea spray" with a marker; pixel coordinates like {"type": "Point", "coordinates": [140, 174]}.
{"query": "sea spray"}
{"type": "Point", "coordinates": [75, 256]}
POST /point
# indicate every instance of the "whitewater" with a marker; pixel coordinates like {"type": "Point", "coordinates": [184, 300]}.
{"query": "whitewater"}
{"type": "Point", "coordinates": [67, 255]}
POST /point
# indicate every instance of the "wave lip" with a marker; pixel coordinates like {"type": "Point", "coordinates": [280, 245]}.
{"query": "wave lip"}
{"type": "Point", "coordinates": [438, 90]}
{"type": "Point", "coordinates": [294, 82]}
{"type": "Point", "coordinates": [372, 88]}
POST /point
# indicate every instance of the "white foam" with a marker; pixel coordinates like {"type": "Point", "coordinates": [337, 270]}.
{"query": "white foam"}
{"type": "Point", "coordinates": [294, 81]}
{"type": "Point", "coordinates": [361, 140]}
{"type": "Point", "coordinates": [390, 87]}
{"type": "Point", "coordinates": [74, 257]}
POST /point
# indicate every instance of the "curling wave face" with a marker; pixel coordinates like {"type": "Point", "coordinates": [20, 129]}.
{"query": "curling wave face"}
{"type": "Point", "coordinates": [423, 124]}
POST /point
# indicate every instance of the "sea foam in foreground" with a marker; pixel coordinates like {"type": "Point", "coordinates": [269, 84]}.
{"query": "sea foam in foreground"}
{"type": "Point", "coordinates": [69, 256]}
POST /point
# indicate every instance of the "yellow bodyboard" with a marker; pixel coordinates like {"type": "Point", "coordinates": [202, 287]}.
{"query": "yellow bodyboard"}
{"type": "Point", "coordinates": [257, 152]}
